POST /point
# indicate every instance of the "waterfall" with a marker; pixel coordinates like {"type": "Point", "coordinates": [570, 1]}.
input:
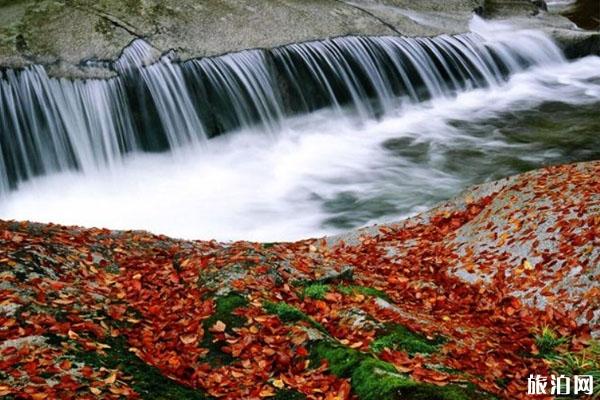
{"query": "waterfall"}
{"type": "Point", "coordinates": [158, 103]}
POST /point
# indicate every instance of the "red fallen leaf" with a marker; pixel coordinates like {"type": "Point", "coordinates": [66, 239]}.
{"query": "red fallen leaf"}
{"type": "Point", "coordinates": [283, 360]}
{"type": "Point", "coordinates": [136, 285]}
{"type": "Point", "coordinates": [174, 277]}
{"type": "Point", "coordinates": [9, 350]}
{"type": "Point", "coordinates": [174, 361]}
{"type": "Point", "coordinates": [72, 335]}
{"type": "Point", "coordinates": [30, 367]}
{"type": "Point", "coordinates": [154, 309]}
{"type": "Point", "coordinates": [218, 327]}
{"type": "Point", "coordinates": [63, 301]}
{"type": "Point", "coordinates": [116, 311]}
{"type": "Point", "coordinates": [65, 364]}
{"type": "Point", "coordinates": [86, 371]}
{"type": "Point", "coordinates": [188, 339]}
{"type": "Point", "coordinates": [344, 390]}
{"type": "Point", "coordinates": [239, 284]}
{"type": "Point", "coordinates": [301, 351]}
{"type": "Point", "coordinates": [37, 379]}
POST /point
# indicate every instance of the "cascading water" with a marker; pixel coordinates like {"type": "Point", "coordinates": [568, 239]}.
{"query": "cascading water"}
{"type": "Point", "coordinates": [49, 125]}
{"type": "Point", "coordinates": [325, 136]}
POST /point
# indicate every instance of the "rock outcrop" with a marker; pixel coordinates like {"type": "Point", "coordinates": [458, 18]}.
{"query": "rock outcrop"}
{"type": "Point", "coordinates": [71, 38]}
{"type": "Point", "coordinates": [461, 302]}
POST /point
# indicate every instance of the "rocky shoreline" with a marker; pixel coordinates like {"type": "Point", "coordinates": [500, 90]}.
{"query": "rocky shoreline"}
{"type": "Point", "coordinates": [461, 302]}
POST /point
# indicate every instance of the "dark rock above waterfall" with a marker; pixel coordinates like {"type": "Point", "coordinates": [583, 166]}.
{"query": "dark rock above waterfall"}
{"type": "Point", "coordinates": [65, 35]}
{"type": "Point", "coordinates": [462, 302]}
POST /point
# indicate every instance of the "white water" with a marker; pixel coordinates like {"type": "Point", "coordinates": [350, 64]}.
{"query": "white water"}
{"type": "Point", "coordinates": [559, 5]}
{"type": "Point", "coordinates": [248, 185]}
{"type": "Point", "coordinates": [51, 125]}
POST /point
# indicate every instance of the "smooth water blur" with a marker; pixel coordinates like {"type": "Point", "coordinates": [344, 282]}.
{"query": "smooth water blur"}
{"type": "Point", "coordinates": [50, 125]}
{"type": "Point", "coordinates": [326, 172]}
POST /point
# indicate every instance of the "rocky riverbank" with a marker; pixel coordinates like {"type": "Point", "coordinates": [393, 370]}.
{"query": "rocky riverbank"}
{"type": "Point", "coordinates": [74, 38]}
{"type": "Point", "coordinates": [461, 302]}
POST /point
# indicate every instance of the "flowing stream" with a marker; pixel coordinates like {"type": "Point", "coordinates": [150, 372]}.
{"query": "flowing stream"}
{"type": "Point", "coordinates": [305, 140]}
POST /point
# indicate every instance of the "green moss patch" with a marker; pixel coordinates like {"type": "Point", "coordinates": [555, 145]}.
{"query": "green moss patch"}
{"type": "Point", "coordinates": [285, 312]}
{"type": "Point", "coordinates": [147, 380]}
{"type": "Point", "coordinates": [376, 379]}
{"type": "Point", "coordinates": [224, 307]}
{"type": "Point", "coordinates": [288, 394]}
{"type": "Point", "coordinates": [373, 379]}
{"type": "Point", "coordinates": [316, 291]}
{"type": "Point", "coordinates": [399, 337]}
{"type": "Point", "coordinates": [289, 313]}
{"type": "Point", "coordinates": [349, 290]}
{"type": "Point", "coordinates": [340, 359]}
{"type": "Point", "coordinates": [422, 391]}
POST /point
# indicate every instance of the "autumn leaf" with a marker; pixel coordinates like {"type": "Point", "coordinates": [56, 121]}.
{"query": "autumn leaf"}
{"type": "Point", "coordinates": [95, 390]}
{"type": "Point", "coordinates": [278, 383]}
{"type": "Point", "coordinates": [218, 327]}
{"type": "Point", "coordinates": [111, 378]}
{"type": "Point", "coordinates": [188, 339]}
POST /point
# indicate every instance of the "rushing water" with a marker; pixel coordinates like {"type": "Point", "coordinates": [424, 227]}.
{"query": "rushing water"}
{"type": "Point", "coordinates": [365, 153]}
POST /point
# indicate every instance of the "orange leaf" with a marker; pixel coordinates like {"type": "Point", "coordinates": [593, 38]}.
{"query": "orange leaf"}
{"type": "Point", "coordinates": [111, 378]}
{"type": "Point", "coordinates": [188, 339]}
{"type": "Point", "coordinates": [219, 326]}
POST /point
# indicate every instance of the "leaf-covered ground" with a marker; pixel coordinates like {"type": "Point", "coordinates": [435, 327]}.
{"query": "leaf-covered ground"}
{"type": "Point", "coordinates": [463, 302]}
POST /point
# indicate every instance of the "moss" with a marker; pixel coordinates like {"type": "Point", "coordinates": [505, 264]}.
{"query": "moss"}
{"type": "Point", "coordinates": [113, 269]}
{"type": "Point", "coordinates": [349, 290]}
{"type": "Point", "coordinates": [447, 370]}
{"type": "Point", "coordinates": [285, 312]}
{"type": "Point", "coordinates": [423, 391]}
{"type": "Point", "coordinates": [316, 291]}
{"type": "Point", "coordinates": [289, 313]}
{"type": "Point", "coordinates": [53, 339]}
{"type": "Point", "coordinates": [288, 394]}
{"type": "Point", "coordinates": [341, 360]}
{"type": "Point", "coordinates": [399, 337]}
{"type": "Point", "coordinates": [224, 307]}
{"type": "Point", "coordinates": [10, 33]}
{"type": "Point", "coordinates": [146, 379]}
{"type": "Point", "coordinates": [373, 379]}
{"type": "Point", "coordinates": [46, 374]}
{"type": "Point", "coordinates": [502, 382]}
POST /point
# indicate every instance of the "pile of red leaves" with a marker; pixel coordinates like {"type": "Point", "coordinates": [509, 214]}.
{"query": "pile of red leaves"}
{"type": "Point", "coordinates": [70, 291]}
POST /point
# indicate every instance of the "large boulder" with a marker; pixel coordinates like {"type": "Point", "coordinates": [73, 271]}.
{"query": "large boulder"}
{"type": "Point", "coordinates": [72, 37]}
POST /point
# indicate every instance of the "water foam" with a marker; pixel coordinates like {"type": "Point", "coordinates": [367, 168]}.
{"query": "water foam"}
{"type": "Point", "coordinates": [322, 172]}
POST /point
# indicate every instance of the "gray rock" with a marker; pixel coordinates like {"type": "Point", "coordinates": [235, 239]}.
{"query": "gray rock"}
{"type": "Point", "coordinates": [522, 227]}
{"type": "Point", "coordinates": [69, 37]}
